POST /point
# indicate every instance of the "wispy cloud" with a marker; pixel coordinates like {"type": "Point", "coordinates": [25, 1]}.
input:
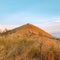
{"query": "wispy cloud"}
{"type": "Point", "coordinates": [53, 27]}
{"type": "Point", "coordinates": [7, 27]}
{"type": "Point", "coordinates": [57, 20]}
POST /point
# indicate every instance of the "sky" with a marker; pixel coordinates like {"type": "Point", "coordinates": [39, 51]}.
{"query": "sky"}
{"type": "Point", "coordinates": [43, 13]}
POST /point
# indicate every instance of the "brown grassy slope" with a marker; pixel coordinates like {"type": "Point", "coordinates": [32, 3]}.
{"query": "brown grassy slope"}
{"type": "Point", "coordinates": [28, 42]}
{"type": "Point", "coordinates": [29, 28]}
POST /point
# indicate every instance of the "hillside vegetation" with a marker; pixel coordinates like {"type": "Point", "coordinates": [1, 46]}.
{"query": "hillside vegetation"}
{"type": "Point", "coordinates": [28, 42]}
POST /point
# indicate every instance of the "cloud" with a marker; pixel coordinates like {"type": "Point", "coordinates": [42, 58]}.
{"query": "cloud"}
{"type": "Point", "coordinates": [57, 20]}
{"type": "Point", "coordinates": [53, 27]}
{"type": "Point", "coordinates": [50, 27]}
{"type": "Point", "coordinates": [8, 27]}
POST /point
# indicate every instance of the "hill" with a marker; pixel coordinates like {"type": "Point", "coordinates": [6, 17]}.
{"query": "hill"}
{"type": "Point", "coordinates": [28, 29]}
{"type": "Point", "coordinates": [28, 42]}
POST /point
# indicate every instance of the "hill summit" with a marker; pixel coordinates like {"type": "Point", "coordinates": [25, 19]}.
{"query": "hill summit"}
{"type": "Point", "coordinates": [28, 29]}
{"type": "Point", "coordinates": [33, 29]}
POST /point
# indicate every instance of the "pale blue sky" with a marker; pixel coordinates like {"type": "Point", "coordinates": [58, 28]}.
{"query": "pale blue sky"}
{"type": "Point", "coordinates": [17, 12]}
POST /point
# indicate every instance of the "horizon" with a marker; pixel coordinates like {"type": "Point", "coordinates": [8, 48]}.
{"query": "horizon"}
{"type": "Point", "coordinates": [11, 27]}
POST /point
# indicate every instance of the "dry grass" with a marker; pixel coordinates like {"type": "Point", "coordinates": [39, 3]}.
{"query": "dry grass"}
{"type": "Point", "coordinates": [25, 44]}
